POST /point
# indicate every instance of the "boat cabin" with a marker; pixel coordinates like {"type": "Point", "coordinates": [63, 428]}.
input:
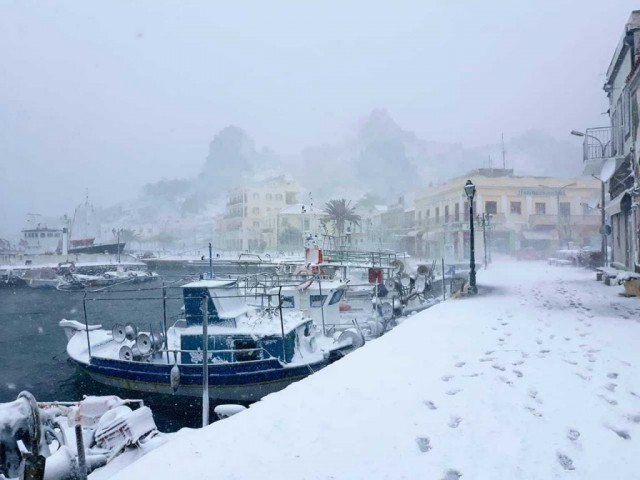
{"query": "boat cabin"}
{"type": "Point", "coordinates": [320, 300]}
{"type": "Point", "coordinates": [236, 333]}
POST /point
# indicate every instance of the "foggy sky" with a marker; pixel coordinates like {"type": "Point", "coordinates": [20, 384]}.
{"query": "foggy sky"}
{"type": "Point", "coordinates": [114, 95]}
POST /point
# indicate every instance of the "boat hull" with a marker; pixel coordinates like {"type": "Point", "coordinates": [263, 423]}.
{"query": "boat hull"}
{"type": "Point", "coordinates": [244, 381]}
{"type": "Point", "coordinates": [109, 248]}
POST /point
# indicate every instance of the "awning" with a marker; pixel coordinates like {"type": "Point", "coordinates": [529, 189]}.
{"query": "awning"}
{"type": "Point", "coordinates": [615, 206]}
{"type": "Point", "coordinates": [540, 235]}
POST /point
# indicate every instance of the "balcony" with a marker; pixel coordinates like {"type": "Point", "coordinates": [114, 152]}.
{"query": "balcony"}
{"type": "Point", "coordinates": [543, 220]}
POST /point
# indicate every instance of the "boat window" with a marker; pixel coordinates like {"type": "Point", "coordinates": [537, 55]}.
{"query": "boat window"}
{"type": "Point", "coordinates": [317, 301]}
{"type": "Point", "coordinates": [337, 296]}
{"type": "Point", "coordinates": [288, 302]}
{"type": "Point", "coordinates": [246, 350]}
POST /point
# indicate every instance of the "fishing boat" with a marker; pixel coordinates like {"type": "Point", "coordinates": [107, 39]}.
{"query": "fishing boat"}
{"type": "Point", "coordinates": [249, 352]}
{"type": "Point", "coordinates": [67, 440]}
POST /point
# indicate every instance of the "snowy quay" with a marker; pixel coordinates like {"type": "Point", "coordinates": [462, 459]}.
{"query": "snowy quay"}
{"type": "Point", "coordinates": [536, 377]}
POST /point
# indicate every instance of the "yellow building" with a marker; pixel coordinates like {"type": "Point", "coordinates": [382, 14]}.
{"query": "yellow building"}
{"type": "Point", "coordinates": [249, 222]}
{"type": "Point", "coordinates": [546, 213]}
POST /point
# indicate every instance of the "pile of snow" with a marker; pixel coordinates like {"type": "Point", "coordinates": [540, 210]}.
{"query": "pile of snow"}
{"type": "Point", "coordinates": [535, 378]}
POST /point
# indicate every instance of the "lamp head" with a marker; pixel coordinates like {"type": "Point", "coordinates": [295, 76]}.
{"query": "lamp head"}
{"type": "Point", "coordinates": [469, 189]}
{"type": "Point", "coordinates": [576, 133]}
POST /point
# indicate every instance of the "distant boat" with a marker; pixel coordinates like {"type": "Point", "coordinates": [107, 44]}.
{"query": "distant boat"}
{"type": "Point", "coordinates": [90, 248]}
{"type": "Point", "coordinates": [83, 232]}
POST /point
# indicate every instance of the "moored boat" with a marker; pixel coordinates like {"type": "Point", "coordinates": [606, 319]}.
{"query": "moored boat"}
{"type": "Point", "coordinates": [250, 353]}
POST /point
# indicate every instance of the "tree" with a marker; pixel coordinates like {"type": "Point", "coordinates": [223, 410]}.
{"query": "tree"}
{"type": "Point", "coordinates": [340, 212]}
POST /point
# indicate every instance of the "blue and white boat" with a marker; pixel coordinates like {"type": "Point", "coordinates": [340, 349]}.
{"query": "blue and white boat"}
{"type": "Point", "coordinates": [250, 353]}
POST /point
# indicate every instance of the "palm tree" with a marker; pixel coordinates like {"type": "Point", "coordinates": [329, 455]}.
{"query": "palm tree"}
{"type": "Point", "coordinates": [339, 212]}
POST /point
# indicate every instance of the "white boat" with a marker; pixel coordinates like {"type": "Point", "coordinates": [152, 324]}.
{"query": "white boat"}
{"type": "Point", "coordinates": [98, 436]}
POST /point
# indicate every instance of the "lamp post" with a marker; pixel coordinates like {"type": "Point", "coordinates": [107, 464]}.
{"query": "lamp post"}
{"type": "Point", "coordinates": [470, 191]}
{"type": "Point", "coordinates": [603, 149]}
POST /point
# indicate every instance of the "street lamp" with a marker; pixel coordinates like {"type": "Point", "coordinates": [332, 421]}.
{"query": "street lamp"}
{"type": "Point", "coordinates": [470, 191]}
{"type": "Point", "coordinates": [603, 242]}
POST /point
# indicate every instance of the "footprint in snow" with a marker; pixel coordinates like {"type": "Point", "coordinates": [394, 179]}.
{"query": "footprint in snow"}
{"type": "Point", "coordinates": [573, 435]}
{"type": "Point", "coordinates": [487, 359]}
{"type": "Point", "coordinates": [430, 405]}
{"type": "Point", "coordinates": [570, 362]}
{"type": "Point", "coordinates": [454, 422]}
{"type": "Point", "coordinates": [518, 373]}
{"type": "Point", "coordinates": [505, 380]}
{"type": "Point", "coordinates": [453, 391]}
{"type": "Point", "coordinates": [545, 351]}
{"type": "Point", "coordinates": [498, 367]}
{"type": "Point", "coordinates": [489, 352]}
{"type": "Point", "coordinates": [533, 411]}
{"type": "Point", "coordinates": [538, 341]}
{"type": "Point", "coordinates": [621, 433]}
{"type": "Point", "coordinates": [565, 462]}
{"type": "Point", "coordinates": [518, 363]}
{"type": "Point", "coordinates": [611, 386]}
{"type": "Point", "coordinates": [424, 444]}
{"type": "Point", "coordinates": [446, 378]}
{"type": "Point", "coordinates": [633, 418]}
{"type": "Point", "coordinates": [586, 378]}
{"type": "Point", "coordinates": [472, 375]}
{"type": "Point", "coordinates": [452, 475]}
{"type": "Point", "coordinates": [460, 364]}
{"type": "Point", "coordinates": [612, 375]}
{"type": "Point", "coordinates": [610, 401]}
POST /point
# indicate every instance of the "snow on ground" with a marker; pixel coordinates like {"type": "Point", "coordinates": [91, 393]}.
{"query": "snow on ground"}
{"type": "Point", "coordinates": [535, 378]}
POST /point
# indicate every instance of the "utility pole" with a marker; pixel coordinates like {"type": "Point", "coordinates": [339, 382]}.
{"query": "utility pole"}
{"type": "Point", "coordinates": [504, 163]}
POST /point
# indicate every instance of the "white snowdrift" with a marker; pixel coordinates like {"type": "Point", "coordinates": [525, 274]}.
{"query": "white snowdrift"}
{"type": "Point", "coordinates": [535, 378]}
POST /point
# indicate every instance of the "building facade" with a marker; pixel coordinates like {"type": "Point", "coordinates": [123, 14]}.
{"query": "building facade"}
{"type": "Point", "coordinates": [250, 219]}
{"type": "Point", "coordinates": [620, 159]}
{"type": "Point", "coordinates": [546, 213]}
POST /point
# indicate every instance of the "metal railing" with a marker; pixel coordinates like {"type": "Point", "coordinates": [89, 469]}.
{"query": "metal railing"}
{"type": "Point", "coordinates": [601, 143]}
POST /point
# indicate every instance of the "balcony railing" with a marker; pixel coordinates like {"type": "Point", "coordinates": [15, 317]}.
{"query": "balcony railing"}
{"type": "Point", "coordinates": [601, 143]}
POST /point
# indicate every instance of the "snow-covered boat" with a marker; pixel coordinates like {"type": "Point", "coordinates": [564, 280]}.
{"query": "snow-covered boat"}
{"type": "Point", "coordinates": [250, 353]}
{"type": "Point", "coordinates": [67, 440]}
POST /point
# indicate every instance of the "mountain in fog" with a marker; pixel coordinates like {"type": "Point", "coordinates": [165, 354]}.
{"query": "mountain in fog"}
{"type": "Point", "coordinates": [383, 158]}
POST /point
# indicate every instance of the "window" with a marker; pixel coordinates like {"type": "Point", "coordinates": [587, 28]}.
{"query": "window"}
{"type": "Point", "coordinates": [437, 214]}
{"type": "Point", "coordinates": [288, 302]}
{"type": "Point", "coordinates": [565, 208]}
{"type": "Point", "coordinates": [491, 207]}
{"type": "Point", "coordinates": [255, 211]}
{"type": "Point", "coordinates": [269, 196]}
{"type": "Point", "coordinates": [419, 218]}
{"type": "Point", "coordinates": [279, 196]}
{"type": "Point", "coordinates": [246, 350]}
{"type": "Point", "coordinates": [446, 214]}
{"type": "Point", "coordinates": [42, 235]}
{"type": "Point", "coordinates": [541, 208]}
{"type": "Point", "coordinates": [516, 207]}
{"type": "Point", "coordinates": [456, 213]}
{"type": "Point", "coordinates": [316, 301]}
{"type": "Point", "coordinates": [256, 224]}
{"type": "Point", "coordinates": [337, 296]}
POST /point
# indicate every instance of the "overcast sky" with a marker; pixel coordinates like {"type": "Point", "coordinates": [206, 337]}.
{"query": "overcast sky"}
{"type": "Point", "coordinates": [112, 95]}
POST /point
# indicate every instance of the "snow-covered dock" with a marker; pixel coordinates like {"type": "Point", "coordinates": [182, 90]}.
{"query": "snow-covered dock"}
{"type": "Point", "coordinates": [538, 377]}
